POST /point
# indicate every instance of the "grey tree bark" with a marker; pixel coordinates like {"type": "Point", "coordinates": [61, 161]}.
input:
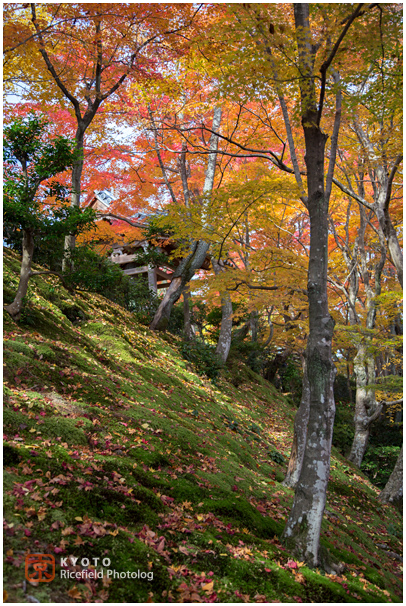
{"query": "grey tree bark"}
{"type": "Point", "coordinates": [14, 309]}
{"type": "Point", "coordinates": [393, 491]}
{"type": "Point", "coordinates": [383, 180]}
{"type": "Point", "coordinates": [366, 408]}
{"type": "Point", "coordinates": [302, 530]}
{"type": "Point", "coordinates": [187, 325]}
{"type": "Point", "coordinates": [299, 434]}
{"type": "Point", "coordinates": [224, 341]}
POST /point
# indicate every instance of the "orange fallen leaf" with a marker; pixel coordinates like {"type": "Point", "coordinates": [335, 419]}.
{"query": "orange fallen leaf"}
{"type": "Point", "coordinates": [208, 588]}
{"type": "Point", "coordinates": [74, 593]}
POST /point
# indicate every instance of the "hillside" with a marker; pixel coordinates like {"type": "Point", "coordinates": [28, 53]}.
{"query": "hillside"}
{"type": "Point", "coordinates": [115, 448]}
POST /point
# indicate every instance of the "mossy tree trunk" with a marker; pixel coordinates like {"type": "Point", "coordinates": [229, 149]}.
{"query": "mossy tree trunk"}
{"type": "Point", "coordinates": [303, 527]}
{"type": "Point", "coordinates": [367, 410]}
{"type": "Point", "coordinates": [299, 434]}
{"type": "Point", "coordinates": [14, 309]}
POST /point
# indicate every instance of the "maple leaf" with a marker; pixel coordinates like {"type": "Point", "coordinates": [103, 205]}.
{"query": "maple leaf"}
{"type": "Point", "coordinates": [208, 588]}
{"type": "Point", "coordinates": [74, 593]}
{"type": "Point", "coordinates": [103, 594]}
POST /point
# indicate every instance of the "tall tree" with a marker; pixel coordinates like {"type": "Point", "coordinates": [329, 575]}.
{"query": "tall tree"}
{"type": "Point", "coordinates": [319, 49]}
{"type": "Point", "coordinates": [356, 254]}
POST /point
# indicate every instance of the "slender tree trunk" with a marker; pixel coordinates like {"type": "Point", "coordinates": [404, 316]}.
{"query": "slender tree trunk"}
{"type": "Point", "coordinates": [70, 241]}
{"type": "Point", "coordinates": [254, 326]}
{"type": "Point", "coordinates": [364, 406]}
{"type": "Point", "coordinates": [188, 266]}
{"type": "Point", "coordinates": [187, 326]}
{"type": "Point", "coordinates": [224, 341]}
{"type": "Point", "coordinates": [392, 240]}
{"type": "Point", "coordinates": [182, 276]}
{"type": "Point", "coordinates": [14, 309]}
{"type": "Point", "coordinates": [393, 491]}
{"type": "Point", "coordinates": [299, 434]}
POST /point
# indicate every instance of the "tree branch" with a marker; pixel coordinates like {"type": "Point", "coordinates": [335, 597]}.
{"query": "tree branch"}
{"type": "Point", "coordinates": [158, 153]}
{"type": "Point", "coordinates": [353, 195]}
{"type": "Point", "coordinates": [327, 62]}
{"type": "Point", "coordinates": [334, 139]}
{"type": "Point", "coordinates": [120, 218]}
{"type": "Point", "coordinates": [253, 287]}
{"type": "Point", "coordinates": [51, 68]}
{"type": "Point", "coordinates": [390, 180]}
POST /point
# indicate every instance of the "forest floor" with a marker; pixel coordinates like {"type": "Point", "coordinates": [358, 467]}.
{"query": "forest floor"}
{"type": "Point", "coordinates": [116, 449]}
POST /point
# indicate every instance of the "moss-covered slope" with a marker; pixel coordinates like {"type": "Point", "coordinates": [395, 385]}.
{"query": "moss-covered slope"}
{"type": "Point", "coordinates": [115, 448]}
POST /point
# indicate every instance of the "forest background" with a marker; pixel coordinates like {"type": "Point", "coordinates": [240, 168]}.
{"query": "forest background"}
{"type": "Point", "coordinates": [265, 138]}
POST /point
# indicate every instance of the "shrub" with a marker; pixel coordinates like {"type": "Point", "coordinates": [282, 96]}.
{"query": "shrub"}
{"type": "Point", "coordinates": [96, 273]}
{"type": "Point", "coordinates": [203, 356]}
{"type": "Point", "coordinates": [343, 431]}
{"type": "Point", "coordinates": [379, 462]}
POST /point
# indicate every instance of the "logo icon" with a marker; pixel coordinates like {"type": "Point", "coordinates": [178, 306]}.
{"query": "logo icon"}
{"type": "Point", "coordinates": [40, 567]}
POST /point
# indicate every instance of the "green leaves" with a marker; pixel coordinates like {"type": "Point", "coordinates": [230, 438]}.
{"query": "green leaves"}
{"type": "Point", "coordinates": [32, 158]}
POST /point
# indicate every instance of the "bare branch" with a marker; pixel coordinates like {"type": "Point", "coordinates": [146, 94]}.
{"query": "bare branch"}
{"type": "Point", "coordinates": [158, 153]}
{"type": "Point", "coordinates": [253, 287]}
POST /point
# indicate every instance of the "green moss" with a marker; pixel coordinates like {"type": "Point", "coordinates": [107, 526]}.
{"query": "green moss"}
{"type": "Point", "coordinates": [56, 427]}
{"type": "Point", "coordinates": [243, 514]}
{"type": "Point", "coordinates": [186, 449]}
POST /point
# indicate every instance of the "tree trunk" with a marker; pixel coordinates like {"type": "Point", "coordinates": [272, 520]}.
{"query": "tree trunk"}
{"type": "Point", "coordinates": [302, 531]}
{"type": "Point", "coordinates": [224, 341]}
{"type": "Point", "coordinates": [393, 491]}
{"type": "Point", "coordinates": [70, 241]}
{"type": "Point", "coordinates": [303, 527]}
{"type": "Point", "coordinates": [299, 434]}
{"type": "Point", "coordinates": [182, 275]}
{"type": "Point", "coordinates": [366, 408]}
{"type": "Point", "coordinates": [188, 266]}
{"type": "Point", "coordinates": [272, 368]}
{"type": "Point", "coordinates": [364, 403]}
{"type": "Point", "coordinates": [395, 251]}
{"type": "Point", "coordinates": [14, 309]}
{"type": "Point", "coordinates": [187, 326]}
{"type": "Point", "coordinates": [254, 326]}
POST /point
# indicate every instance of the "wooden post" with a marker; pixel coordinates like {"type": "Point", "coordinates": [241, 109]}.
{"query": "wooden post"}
{"type": "Point", "coordinates": [152, 283]}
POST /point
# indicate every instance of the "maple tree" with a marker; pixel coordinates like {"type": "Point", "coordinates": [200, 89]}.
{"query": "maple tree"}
{"type": "Point", "coordinates": [89, 52]}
